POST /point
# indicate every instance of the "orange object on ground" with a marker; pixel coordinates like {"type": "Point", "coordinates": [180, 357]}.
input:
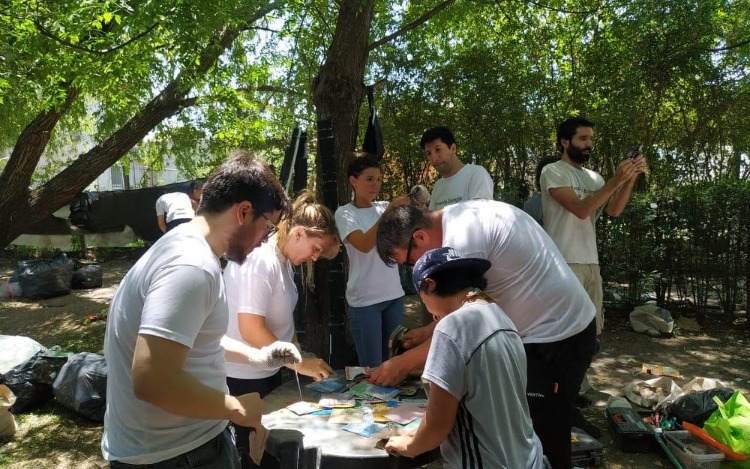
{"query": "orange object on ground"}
{"type": "Point", "coordinates": [703, 435]}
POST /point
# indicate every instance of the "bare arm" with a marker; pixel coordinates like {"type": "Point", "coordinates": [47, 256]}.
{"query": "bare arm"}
{"type": "Point", "coordinates": [416, 336]}
{"type": "Point", "coordinates": [254, 331]}
{"type": "Point", "coordinates": [435, 427]}
{"type": "Point", "coordinates": [587, 206]}
{"type": "Point", "coordinates": [364, 241]}
{"type": "Point", "coordinates": [160, 380]}
{"type": "Point", "coordinates": [393, 371]}
{"type": "Point", "coordinates": [618, 202]}
{"type": "Point", "coordinates": [162, 224]}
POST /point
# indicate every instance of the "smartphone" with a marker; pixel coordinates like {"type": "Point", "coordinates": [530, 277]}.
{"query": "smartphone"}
{"type": "Point", "coordinates": [635, 151]}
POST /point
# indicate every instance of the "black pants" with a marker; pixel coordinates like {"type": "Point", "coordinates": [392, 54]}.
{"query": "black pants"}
{"type": "Point", "coordinates": [238, 387]}
{"type": "Point", "coordinates": [555, 372]}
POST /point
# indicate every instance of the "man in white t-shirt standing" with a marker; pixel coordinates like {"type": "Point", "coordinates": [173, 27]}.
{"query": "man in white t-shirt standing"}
{"type": "Point", "coordinates": [574, 196]}
{"type": "Point", "coordinates": [167, 398]}
{"type": "Point", "coordinates": [458, 181]}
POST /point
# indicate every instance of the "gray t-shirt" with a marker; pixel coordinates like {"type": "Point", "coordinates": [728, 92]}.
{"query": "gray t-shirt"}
{"type": "Point", "coordinates": [477, 356]}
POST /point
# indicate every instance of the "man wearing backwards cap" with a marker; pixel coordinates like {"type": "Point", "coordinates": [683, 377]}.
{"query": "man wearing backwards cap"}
{"type": "Point", "coordinates": [476, 362]}
{"type": "Point", "coordinates": [529, 280]}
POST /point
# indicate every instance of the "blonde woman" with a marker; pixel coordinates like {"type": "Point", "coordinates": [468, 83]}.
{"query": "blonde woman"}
{"type": "Point", "coordinates": [262, 295]}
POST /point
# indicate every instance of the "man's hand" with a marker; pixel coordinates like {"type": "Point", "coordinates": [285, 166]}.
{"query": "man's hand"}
{"type": "Point", "coordinates": [390, 372]}
{"type": "Point", "coordinates": [246, 410]}
{"type": "Point", "coordinates": [627, 169]}
{"type": "Point", "coordinates": [316, 368]}
{"type": "Point", "coordinates": [640, 164]}
{"type": "Point", "coordinates": [403, 200]}
{"type": "Point", "coordinates": [414, 337]}
{"type": "Point", "coordinates": [280, 353]}
{"type": "Point", "coordinates": [399, 446]}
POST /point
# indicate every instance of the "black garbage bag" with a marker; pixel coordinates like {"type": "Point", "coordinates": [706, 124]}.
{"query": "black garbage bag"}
{"type": "Point", "coordinates": [697, 407]}
{"type": "Point", "coordinates": [81, 385]}
{"type": "Point", "coordinates": [45, 277]}
{"type": "Point", "coordinates": [31, 382]}
{"type": "Point", "coordinates": [88, 276]}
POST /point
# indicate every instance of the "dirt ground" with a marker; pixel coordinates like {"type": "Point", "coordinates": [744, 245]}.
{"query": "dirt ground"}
{"type": "Point", "coordinates": [715, 351]}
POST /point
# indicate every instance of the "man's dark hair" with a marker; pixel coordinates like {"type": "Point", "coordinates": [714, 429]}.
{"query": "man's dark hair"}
{"type": "Point", "coordinates": [359, 164]}
{"type": "Point", "coordinates": [539, 166]}
{"type": "Point", "coordinates": [437, 133]}
{"type": "Point", "coordinates": [568, 128]}
{"type": "Point", "coordinates": [196, 185]}
{"type": "Point", "coordinates": [240, 178]}
{"type": "Point", "coordinates": [396, 226]}
{"type": "Point", "coordinates": [449, 282]}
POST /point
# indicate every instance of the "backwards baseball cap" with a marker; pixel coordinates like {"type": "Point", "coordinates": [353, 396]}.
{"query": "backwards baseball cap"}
{"type": "Point", "coordinates": [445, 258]}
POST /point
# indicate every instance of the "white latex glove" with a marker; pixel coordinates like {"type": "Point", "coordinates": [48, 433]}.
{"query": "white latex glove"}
{"type": "Point", "coordinates": [276, 355]}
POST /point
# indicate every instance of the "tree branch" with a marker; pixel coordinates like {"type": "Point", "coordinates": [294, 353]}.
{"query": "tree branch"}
{"type": "Point", "coordinates": [417, 22]}
{"type": "Point", "coordinates": [733, 46]}
{"type": "Point", "coordinates": [194, 100]}
{"type": "Point", "coordinates": [47, 33]}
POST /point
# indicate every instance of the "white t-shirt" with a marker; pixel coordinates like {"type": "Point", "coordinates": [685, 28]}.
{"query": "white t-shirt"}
{"type": "Point", "coordinates": [469, 183]}
{"type": "Point", "coordinates": [575, 238]}
{"type": "Point", "coordinates": [529, 278]}
{"type": "Point", "coordinates": [370, 280]}
{"type": "Point", "coordinates": [174, 291]}
{"type": "Point", "coordinates": [477, 356]}
{"type": "Point", "coordinates": [174, 206]}
{"type": "Point", "coordinates": [262, 285]}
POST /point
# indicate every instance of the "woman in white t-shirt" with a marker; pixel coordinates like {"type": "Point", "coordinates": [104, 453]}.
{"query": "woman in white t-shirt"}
{"type": "Point", "coordinates": [262, 295]}
{"type": "Point", "coordinates": [373, 290]}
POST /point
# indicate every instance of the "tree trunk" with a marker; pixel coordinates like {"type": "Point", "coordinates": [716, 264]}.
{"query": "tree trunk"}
{"type": "Point", "coordinates": [338, 92]}
{"type": "Point", "coordinates": [22, 207]}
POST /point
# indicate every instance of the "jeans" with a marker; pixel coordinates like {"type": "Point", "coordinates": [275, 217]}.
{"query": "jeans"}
{"type": "Point", "coordinates": [217, 453]}
{"type": "Point", "coordinates": [371, 326]}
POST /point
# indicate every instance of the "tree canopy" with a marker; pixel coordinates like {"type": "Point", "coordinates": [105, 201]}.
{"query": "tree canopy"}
{"type": "Point", "coordinates": [84, 82]}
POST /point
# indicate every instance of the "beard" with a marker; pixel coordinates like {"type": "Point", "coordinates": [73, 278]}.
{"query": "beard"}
{"type": "Point", "coordinates": [240, 245]}
{"type": "Point", "coordinates": [234, 254]}
{"type": "Point", "coordinates": [579, 155]}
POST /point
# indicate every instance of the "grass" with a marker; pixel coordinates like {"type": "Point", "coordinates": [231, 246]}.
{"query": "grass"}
{"type": "Point", "coordinates": [52, 437]}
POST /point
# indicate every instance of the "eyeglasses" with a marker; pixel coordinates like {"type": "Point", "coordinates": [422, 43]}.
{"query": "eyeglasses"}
{"type": "Point", "coordinates": [407, 262]}
{"type": "Point", "coordinates": [270, 226]}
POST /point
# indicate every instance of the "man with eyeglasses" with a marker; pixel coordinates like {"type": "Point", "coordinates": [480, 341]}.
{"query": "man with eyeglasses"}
{"type": "Point", "coordinates": [528, 279]}
{"type": "Point", "coordinates": [168, 404]}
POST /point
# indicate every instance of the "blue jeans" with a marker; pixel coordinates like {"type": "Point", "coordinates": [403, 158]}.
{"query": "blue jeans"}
{"type": "Point", "coordinates": [371, 326]}
{"type": "Point", "coordinates": [217, 453]}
